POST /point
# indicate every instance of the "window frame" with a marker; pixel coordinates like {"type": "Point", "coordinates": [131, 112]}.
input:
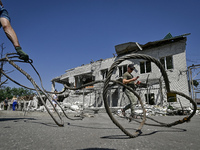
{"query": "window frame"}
{"type": "Point", "coordinates": [122, 69]}
{"type": "Point", "coordinates": [145, 67]}
{"type": "Point", "coordinates": [104, 73]}
{"type": "Point", "coordinates": [167, 62]}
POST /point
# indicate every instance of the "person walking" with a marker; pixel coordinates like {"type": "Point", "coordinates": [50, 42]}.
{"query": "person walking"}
{"type": "Point", "coordinates": [129, 80]}
{"type": "Point", "coordinates": [5, 103]}
{"type": "Point", "coordinates": [14, 104]}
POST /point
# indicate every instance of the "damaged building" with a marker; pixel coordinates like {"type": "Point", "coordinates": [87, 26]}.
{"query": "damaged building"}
{"type": "Point", "coordinates": [170, 51]}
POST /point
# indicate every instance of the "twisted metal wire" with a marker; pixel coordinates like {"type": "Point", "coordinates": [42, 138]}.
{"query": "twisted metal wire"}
{"type": "Point", "coordinates": [30, 62]}
{"type": "Point", "coordinates": [105, 90]}
{"type": "Point", "coordinates": [166, 80]}
{"type": "Point", "coordinates": [38, 90]}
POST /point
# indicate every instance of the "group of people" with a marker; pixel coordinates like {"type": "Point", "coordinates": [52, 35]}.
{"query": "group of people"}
{"type": "Point", "coordinates": [14, 103]}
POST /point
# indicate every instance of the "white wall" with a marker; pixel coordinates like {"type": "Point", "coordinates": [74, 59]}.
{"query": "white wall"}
{"type": "Point", "coordinates": [177, 75]}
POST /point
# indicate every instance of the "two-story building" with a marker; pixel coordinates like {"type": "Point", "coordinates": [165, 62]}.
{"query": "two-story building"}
{"type": "Point", "coordinates": [170, 51]}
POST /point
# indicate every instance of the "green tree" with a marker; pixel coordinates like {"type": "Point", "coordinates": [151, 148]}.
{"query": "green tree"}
{"type": "Point", "coordinates": [10, 92]}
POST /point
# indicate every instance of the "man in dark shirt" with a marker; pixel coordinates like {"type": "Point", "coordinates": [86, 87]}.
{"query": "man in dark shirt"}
{"type": "Point", "coordinates": [6, 103]}
{"type": "Point", "coordinates": [10, 33]}
{"type": "Point", "coordinates": [129, 80]}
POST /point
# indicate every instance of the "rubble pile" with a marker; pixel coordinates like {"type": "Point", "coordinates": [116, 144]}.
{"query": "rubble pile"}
{"type": "Point", "coordinates": [77, 107]}
{"type": "Point", "coordinates": [155, 110]}
{"type": "Point", "coordinates": [67, 107]}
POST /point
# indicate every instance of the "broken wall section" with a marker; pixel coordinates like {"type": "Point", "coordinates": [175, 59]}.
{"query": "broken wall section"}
{"type": "Point", "coordinates": [171, 55]}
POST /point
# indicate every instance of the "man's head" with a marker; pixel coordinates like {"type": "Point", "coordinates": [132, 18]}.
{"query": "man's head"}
{"type": "Point", "coordinates": [131, 67]}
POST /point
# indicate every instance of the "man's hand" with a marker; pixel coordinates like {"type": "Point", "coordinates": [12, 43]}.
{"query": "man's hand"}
{"type": "Point", "coordinates": [130, 80]}
{"type": "Point", "coordinates": [133, 79]}
{"type": "Point", "coordinates": [138, 82]}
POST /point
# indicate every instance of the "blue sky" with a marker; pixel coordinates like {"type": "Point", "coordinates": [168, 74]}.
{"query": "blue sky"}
{"type": "Point", "coordinates": [64, 34]}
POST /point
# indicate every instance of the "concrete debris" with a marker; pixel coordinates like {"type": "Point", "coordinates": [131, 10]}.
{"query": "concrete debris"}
{"type": "Point", "coordinates": [197, 112]}
{"type": "Point", "coordinates": [66, 105]}
{"type": "Point", "coordinates": [41, 108]}
{"type": "Point", "coordinates": [74, 107]}
{"type": "Point", "coordinates": [154, 110]}
{"type": "Point", "coordinates": [84, 115]}
{"type": "Point", "coordinates": [77, 107]}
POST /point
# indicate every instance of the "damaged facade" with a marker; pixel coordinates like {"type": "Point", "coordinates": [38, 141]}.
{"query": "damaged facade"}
{"type": "Point", "coordinates": [171, 52]}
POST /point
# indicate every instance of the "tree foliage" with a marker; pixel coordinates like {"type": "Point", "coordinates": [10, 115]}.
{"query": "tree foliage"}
{"type": "Point", "coordinates": [10, 92]}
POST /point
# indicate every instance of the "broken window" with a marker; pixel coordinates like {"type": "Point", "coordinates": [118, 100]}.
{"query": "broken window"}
{"type": "Point", "coordinates": [104, 73]}
{"type": "Point", "coordinates": [150, 98]}
{"type": "Point", "coordinates": [167, 62]}
{"type": "Point", "coordinates": [162, 61]}
{"type": "Point", "coordinates": [84, 79]}
{"type": "Point", "coordinates": [148, 66]}
{"type": "Point", "coordinates": [145, 67]}
{"type": "Point", "coordinates": [142, 67]}
{"type": "Point", "coordinates": [122, 70]}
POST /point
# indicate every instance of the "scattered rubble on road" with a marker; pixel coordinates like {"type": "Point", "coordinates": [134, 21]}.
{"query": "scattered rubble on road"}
{"type": "Point", "coordinates": [154, 110]}
{"type": "Point", "coordinates": [77, 107]}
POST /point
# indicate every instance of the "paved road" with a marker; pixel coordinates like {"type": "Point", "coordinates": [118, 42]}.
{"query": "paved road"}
{"type": "Point", "coordinates": [38, 131]}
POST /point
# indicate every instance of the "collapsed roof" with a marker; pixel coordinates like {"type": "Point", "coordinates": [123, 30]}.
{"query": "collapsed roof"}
{"type": "Point", "coordinates": [126, 48]}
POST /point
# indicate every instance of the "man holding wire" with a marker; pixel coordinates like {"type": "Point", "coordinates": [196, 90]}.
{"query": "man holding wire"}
{"type": "Point", "coordinates": [10, 33]}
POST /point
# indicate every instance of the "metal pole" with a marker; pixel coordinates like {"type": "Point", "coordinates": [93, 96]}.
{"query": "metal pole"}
{"type": "Point", "coordinates": [161, 92]}
{"type": "Point", "coordinates": [193, 96]}
{"type": "Point", "coordinates": [83, 98]}
{"type": "Point", "coordinates": [189, 78]}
